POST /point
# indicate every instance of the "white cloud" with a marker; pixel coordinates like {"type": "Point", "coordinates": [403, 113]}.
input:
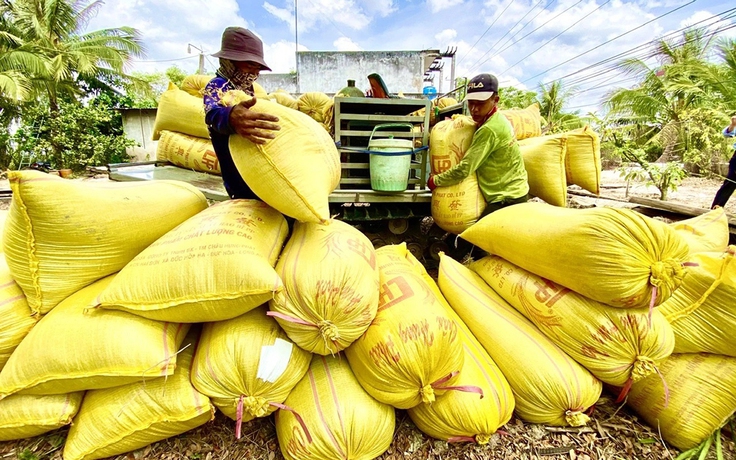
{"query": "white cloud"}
{"type": "Point", "coordinates": [346, 44]}
{"type": "Point", "coordinates": [281, 56]}
{"type": "Point", "coordinates": [446, 36]}
{"type": "Point", "coordinates": [380, 7]}
{"type": "Point", "coordinates": [439, 5]}
{"type": "Point", "coordinates": [320, 13]}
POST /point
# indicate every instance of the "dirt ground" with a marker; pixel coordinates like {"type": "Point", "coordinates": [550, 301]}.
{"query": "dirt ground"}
{"type": "Point", "coordinates": [614, 433]}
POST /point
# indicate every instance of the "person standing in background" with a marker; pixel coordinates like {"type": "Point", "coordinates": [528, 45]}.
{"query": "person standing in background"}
{"type": "Point", "coordinates": [729, 184]}
{"type": "Point", "coordinates": [241, 61]}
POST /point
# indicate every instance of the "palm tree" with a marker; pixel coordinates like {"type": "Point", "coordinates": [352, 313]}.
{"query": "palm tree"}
{"type": "Point", "coordinates": [54, 31]}
{"type": "Point", "coordinates": [552, 100]}
{"type": "Point", "coordinates": [666, 92]}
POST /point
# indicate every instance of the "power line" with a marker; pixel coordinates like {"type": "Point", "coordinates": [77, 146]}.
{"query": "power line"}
{"type": "Point", "coordinates": [512, 27]}
{"type": "Point", "coordinates": [611, 40]}
{"type": "Point", "coordinates": [168, 60]}
{"type": "Point", "coordinates": [478, 64]}
{"type": "Point", "coordinates": [553, 38]}
{"type": "Point", "coordinates": [486, 31]}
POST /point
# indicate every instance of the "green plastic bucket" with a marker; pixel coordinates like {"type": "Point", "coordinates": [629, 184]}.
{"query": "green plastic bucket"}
{"type": "Point", "coordinates": [390, 161]}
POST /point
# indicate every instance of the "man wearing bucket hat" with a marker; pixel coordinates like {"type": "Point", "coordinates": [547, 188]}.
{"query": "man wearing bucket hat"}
{"type": "Point", "coordinates": [493, 153]}
{"type": "Point", "coordinates": [241, 61]}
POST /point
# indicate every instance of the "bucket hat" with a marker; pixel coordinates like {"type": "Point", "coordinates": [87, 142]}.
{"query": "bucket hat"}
{"type": "Point", "coordinates": [239, 44]}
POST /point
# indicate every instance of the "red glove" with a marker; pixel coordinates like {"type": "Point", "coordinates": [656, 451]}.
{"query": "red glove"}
{"type": "Point", "coordinates": [430, 183]}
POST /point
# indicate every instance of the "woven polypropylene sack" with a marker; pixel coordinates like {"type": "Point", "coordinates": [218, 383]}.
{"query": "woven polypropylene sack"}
{"type": "Point", "coordinates": [16, 319]}
{"type": "Point", "coordinates": [181, 112]}
{"type": "Point", "coordinates": [455, 207]}
{"type": "Point", "coordinates": [26, 416]}
{"type": "Point", "coordinates": [215, 266]}
{"type": "Point", "coordinates": [614, 344]}
{"type": "Point", "coordinates": [698, 400]}
{"type": "Point", "coordinates": [314, 105]}
{"type": "Point", "coordinates": [411, 351]}
{"type": "Point", "coordinates": [526, 122]}
{"type": "Point", "coordinates": [705, 233]}
{"type": "Point", "coordinates": [331, 285]}
{"type": "Point", "coordinates": [188, 152]}
{"type": "Point", "coordinates": [69, 350]}
{"type": "Point", "coordinates": [342, 420]}
{"type": "Point", "coordinates": [195, 84]}
{"type": "Point", "coordinates": [464, 415]}
{"type": "Point", "coordinates": [544, 160]}
{"type": "Point", "coordinates": [297, 170]}
{"type": "Point", "coordinates": [701, 311]}
{"type": "Point", "coordinates": [549, 386]}
{"type": "Point", "coordinates": [260, 92]}
{"type": "Point", "coordinates": [583, 160]}
{"type": "Point", "coordinates": [247, 362]}
{"type": "Point", "coordinates": [285, 99]}
{"type": "Point", "coordinates": [62, 235]}
{"type": "Point", "coordinates": [481, 400]}
{"type": "Point", "coordinates": [125, 418]}
{"type": "Point", "coordinates": [615, 256]}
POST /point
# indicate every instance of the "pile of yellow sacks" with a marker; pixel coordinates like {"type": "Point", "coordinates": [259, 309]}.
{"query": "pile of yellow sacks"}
{"type": "Point", "coordinates": [137, 322]}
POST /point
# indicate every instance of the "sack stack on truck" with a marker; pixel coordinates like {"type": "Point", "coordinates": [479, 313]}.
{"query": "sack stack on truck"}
{"type": "Point", "coordinates": [140, 320]}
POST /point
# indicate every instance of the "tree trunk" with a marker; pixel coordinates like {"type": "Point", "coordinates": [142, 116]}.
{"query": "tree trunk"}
{"type": "Point", "coordinates": [56, 149]}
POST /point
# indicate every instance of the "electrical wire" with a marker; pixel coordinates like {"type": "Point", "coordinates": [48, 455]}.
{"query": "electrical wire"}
{"type": "Point", "coordinates": [517, 23]}
{"type": "Point", "coordinates": [478, 63]}
{"type": "Point", "coordinates": [553, 38]}
{"type": "Point", "coordinates": [486, 31]}
{"type": "Point", "coordinates": [167, 60]}
{"type": "Point", "coordinates": [609, 41]}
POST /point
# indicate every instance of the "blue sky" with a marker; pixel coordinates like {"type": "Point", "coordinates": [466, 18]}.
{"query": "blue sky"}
{"type": "Point", "coordinates": [524, 42]}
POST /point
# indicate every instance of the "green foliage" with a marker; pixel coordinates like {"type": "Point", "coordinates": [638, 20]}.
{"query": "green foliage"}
{"type": "Point", "coordinates": [86, 135]}
{"type": "Point", "coordinates": [175, 75]}
{"type": "Point", "coordinates": [552, 99]}
{"type": "Point", "coordinates": [460, 83]}
{"type": "Point", "coordinates": [705, 144]}
{"type": "Point", "coordinates": [27, 454]}
{"type": "Point", "coordinates": [665, 176]}
{"type": "Point", "coordinates": [512, 98]}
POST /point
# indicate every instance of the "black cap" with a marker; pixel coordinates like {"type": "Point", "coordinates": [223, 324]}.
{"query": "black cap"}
{"type": "Point", "coordinates": [482, 87]}
{"type": "Point", "coordinates": [239, 44]}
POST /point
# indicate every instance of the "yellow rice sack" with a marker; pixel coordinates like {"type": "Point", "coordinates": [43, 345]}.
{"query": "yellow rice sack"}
{"type": "Point", "coordinates": [16, 319]}
{"type": "Point", "coordinates": [69, 351]}
{"type": "Point", "coordinates": [62, 235]}
{"type": "Point", "coordinates": [215, 266]}
{"type": "Point", "coordinates": [411, 352]}
{"type": "Point", "coordinates": [180, 112]}
{"type": "Point", "coordinates": [455, 207]}
{"type": "Point", "coordinates": [583, 160]}
{"type": "Point", "coordinates": [3, 217]}
{"type": "Point", "coordinates": [341, 419]}
{"type": "Point", "coordinates": [125, 418]}
{"type": "Point", "coordinates": [616, 345]}
{"type": "Point", "coordinates": [615, 256]}
{"type": "Point", "coordinates": [462, 415]}
{"type": "Point", "coordinates": [699, 400]}
{"type": "Point", "coordinates": [285, 99]}
{"type": "Point", "coordinates": [702, 310]}
{"type": "Point", "coordinates": [295, 172]}
{"type": "Point", "coordinates": [248, 365]}
{"type": "Point", "coordinates": [544, 160]}
{"type": "Point", "coordinates": [484, 400]}
{"type": "Point", "coordinates": [549, 386]}
{"type": "Point", "coordinates": [331, 285]}
{"type": "Point", "coordinates": [188, 152]}
{"type": "Point", "coordinates": [26, 416]}
{"type": "Point", "coordinates": [526, 122]}
{"type": "Point", "coordinates": [705, 233]}
{"type": "Point", "coordinates": [195, 84]}
{"type": "Point", "coordinates": [259, 92]}
{"type": "Point", "coordinates": [315, 105]}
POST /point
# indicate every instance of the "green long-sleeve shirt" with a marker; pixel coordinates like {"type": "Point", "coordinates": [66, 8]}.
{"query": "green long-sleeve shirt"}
{"type": "Point", "coordinates": [495, 156]}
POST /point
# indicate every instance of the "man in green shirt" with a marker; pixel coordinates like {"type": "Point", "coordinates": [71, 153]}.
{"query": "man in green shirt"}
{"type": "Point", "coordinates": [493, 154]}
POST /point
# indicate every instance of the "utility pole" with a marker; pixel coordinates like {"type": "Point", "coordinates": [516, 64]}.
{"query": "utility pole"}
{"type": "Point", "coordinates": [200, 71]}
{"type": "Point", "coordinates": [296, 39]}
